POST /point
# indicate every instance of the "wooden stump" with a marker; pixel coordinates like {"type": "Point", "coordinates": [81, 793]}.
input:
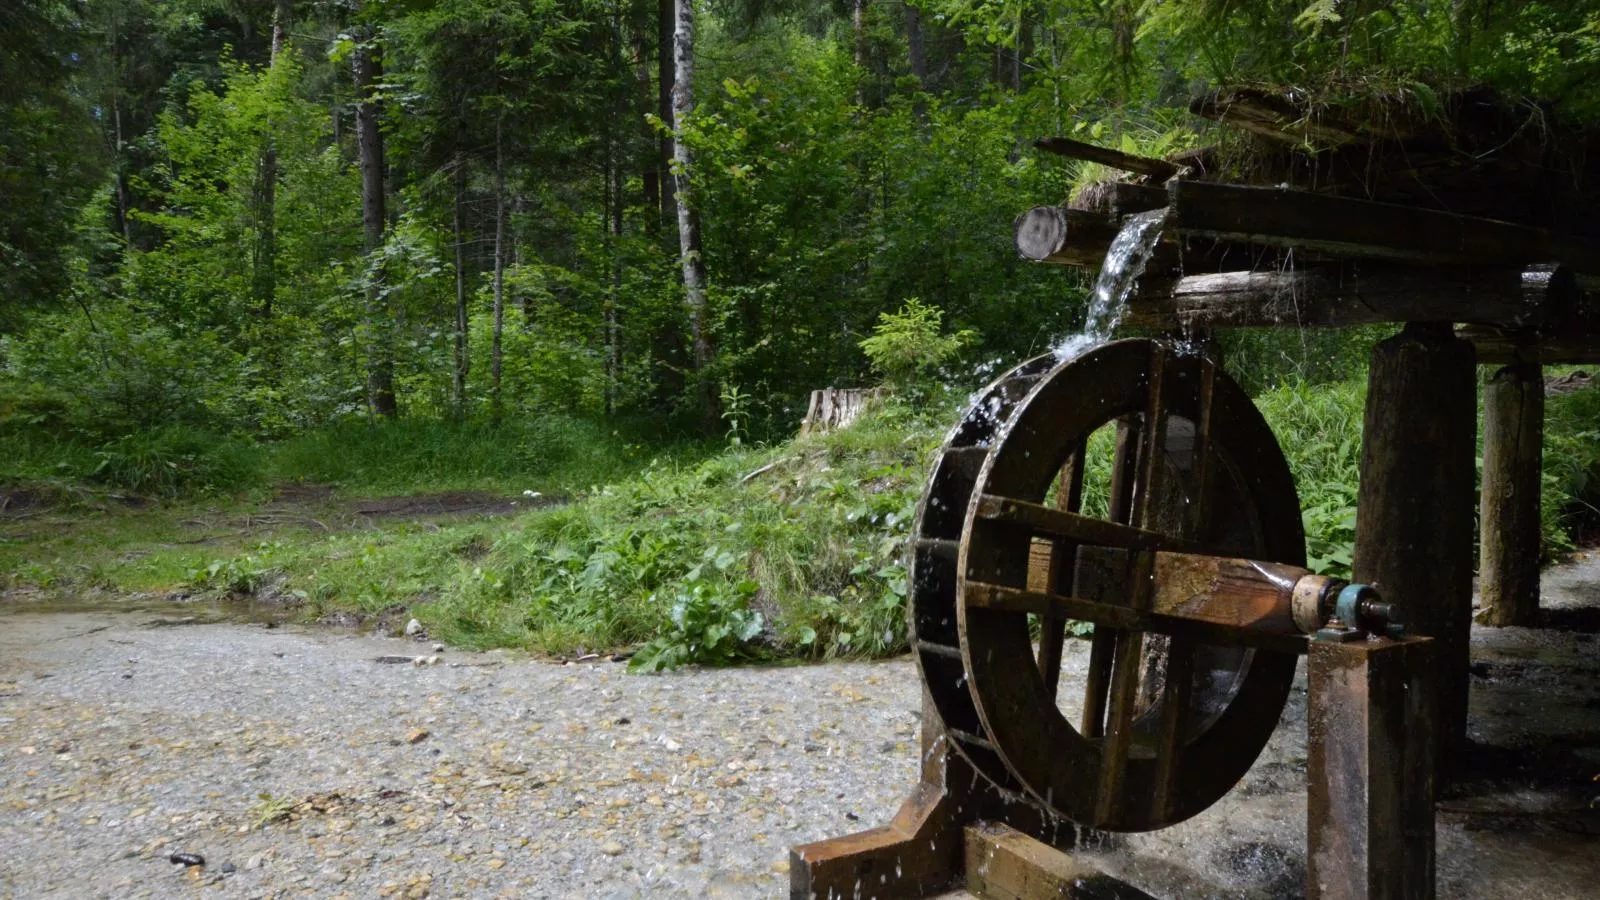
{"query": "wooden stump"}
{"type": "Point", "coordinates": [1414, 520]}
{"type": "Point", "coordinates": [833, 408]}
{"type": "Point", "coordinates": [1513, 436]}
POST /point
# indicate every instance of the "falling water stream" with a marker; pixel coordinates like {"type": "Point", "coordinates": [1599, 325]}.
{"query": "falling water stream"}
{"type": "Point", "coordinates": [1125, 262]}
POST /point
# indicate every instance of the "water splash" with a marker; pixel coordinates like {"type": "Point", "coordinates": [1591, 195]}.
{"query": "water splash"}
{"type": "Point", "coordinates": [1125, 262]}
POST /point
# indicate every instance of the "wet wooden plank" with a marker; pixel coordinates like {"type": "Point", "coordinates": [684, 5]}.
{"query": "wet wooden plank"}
{"type": "Point", "coordinates": [1005, 864]}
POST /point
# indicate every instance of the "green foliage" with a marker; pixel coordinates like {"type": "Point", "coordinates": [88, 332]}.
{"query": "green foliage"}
{"type": "Point", "coordinates": [176, 460]}
{"type": "Point", "coordinates": [1319, 429]}
{"type": "Point", "coordinates": [911, 345]}
{"type": "Point", "coordinates": [1571, 494]}
{"type": "Point", "coordinates": [400, 456]}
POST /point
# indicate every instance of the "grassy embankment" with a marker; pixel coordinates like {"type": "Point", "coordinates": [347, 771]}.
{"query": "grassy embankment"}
{"type": "Point", "coordinates": [792, 549]}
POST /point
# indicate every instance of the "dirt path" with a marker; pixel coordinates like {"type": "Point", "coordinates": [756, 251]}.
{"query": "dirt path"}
{"type": "Point", "coordinates": [298, 763]}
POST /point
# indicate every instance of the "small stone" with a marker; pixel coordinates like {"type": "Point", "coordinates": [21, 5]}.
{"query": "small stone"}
{"type": "Point", "coordinates": [611, 848]}
{"type": "Point", "coordinates": [497, 863]}
{"type": "Point", "coordinates": [417, 736]}
{"type": "Point", "coordinates": [413, 628]}
{"type": "Point", "coordinates": [253, 863]}
{"type": "Point", "coordinates": [227, 868]}
{"type": "Point", "coordinates": [187, 859]}
{"type": "Point", "coordinates": [438, 648]}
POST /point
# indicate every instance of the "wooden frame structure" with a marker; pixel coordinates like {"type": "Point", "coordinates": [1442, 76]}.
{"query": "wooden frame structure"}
{"type": "Point", "coordinates": [1493, 276]}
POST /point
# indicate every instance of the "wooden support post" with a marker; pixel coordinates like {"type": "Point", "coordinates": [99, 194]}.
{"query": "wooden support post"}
{"type": "Point", "coordinates": [1414, 520]}
{"type": "Point", "coordinates": [1369, 760]}
{"type": "Point", "coordinates": [1513, 436]}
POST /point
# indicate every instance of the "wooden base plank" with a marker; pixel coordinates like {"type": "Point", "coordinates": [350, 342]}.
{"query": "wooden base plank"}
{"type": "Point", "coordinates": [1005, 864]}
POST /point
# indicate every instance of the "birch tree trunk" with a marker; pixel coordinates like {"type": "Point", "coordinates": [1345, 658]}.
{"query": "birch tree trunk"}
{"type": "Point", "coordinates": [666, 77]}
{"type": "Point", "coordinates": [499, 273]}
{"type": "Point", "coordinates": [690, 258]}
{"type": "Point", "coordinates": [366, 71]}
{"type": "Point", "coordinates": [462, 361]}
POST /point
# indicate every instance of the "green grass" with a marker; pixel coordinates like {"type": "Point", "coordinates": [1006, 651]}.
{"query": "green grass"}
{"type": "Point", "coordinates": [755, 552]}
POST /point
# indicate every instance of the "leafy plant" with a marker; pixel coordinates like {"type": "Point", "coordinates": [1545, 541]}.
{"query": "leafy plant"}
{"type": "Point", "coordinates": [711, 620]}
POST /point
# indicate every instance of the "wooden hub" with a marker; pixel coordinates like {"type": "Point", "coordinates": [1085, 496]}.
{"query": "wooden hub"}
{"type": "Point", "coordinates": [1165, 718]}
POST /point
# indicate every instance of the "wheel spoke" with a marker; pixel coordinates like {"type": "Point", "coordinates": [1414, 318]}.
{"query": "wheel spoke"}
{"type": "Point", "coordinates": [1124, 469]}
{"type": "Point", "coordinates": [1063, 556]}
{"type": "Point", "coordinates": [1125, 669]}
{"type": "Point", "coordinates": [1076, 527]}
{"type": "Point", "coordinates": [1175, 696]}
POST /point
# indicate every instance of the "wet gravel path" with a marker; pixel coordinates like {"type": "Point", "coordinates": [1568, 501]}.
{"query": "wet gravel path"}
{"type": "Point", "coordinates": [296, 764]}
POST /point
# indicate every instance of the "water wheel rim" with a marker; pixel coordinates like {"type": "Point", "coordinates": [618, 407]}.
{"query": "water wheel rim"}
{"type": "Point", "coordinates": [935, 536]}
{"type": "Point", "coordinates": [1061, 768]}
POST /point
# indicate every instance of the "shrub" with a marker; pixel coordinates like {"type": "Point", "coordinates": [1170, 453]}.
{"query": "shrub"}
{"type": "Point", "coordinates": [909, 345]}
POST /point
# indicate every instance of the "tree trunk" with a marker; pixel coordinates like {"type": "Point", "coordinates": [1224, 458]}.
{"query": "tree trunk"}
{"type": "Point", "coordinates": [463, 362]}
{"type": "Point", "coordinates": [366, 71]}
{"type": "Point", "coordinates": [666, 77]}
{"type": "Point", "coordinates": [858, 24]}
{"type": "Point", "coordinates": [914, 47]}
{"type": "Point", "coordinates": [650, 172]}
{"type": "Point", "coordinates": [282, 15]}
{"type": "Point", "coordinates": [495, 408]}
{"type": "Point", "coordinates": [689, 251]}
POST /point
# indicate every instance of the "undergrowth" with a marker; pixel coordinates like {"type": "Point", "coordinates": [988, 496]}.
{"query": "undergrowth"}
{"type": "Point", "coordinates": [791, 550]}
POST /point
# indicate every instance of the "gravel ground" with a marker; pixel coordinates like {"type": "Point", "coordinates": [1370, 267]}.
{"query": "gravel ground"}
{"type": "Point", "coordinates": [298, 765]}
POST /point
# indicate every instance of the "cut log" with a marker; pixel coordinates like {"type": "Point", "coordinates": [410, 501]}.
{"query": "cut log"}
{"type": "Point", "coordinates": [1069, 237]}
{"type": "Point", "coordinates": [1513, 435]}
{"type": "Point", "coordinates": [1342, 295]}
{"type": "Point", "coordinates": [1347, 228]}
{"type": "Point", "coordinates": [1155, 169]}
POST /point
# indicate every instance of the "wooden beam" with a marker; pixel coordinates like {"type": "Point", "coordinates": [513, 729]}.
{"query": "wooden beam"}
{"type": "Point", "coordinates": [1157, 169]}
{"type": "Point", "coordinates": [1119, 198]}
{"type": "Point", "coordinates": [1340, 295]}
{"type": "Point", "coordinates": [1342, 227]}
{"type": "Point", "coordinates": [1005, 864]}
{"type": "Point", "coordinates": [1369, 766]}
{"type": "Point", "coordinates": [1500, 347]}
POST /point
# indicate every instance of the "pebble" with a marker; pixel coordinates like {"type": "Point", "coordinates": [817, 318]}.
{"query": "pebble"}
{"type": "Point", "coordinates": [611, 848]}
{"type": "Point", "coordinates": [413, 628]}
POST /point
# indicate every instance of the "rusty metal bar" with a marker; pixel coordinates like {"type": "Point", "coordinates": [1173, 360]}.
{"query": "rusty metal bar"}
{"type": "Point", "coordinates": [1370, 759]}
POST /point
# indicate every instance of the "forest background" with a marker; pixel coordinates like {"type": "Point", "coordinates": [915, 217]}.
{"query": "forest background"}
{"type": "Point", "coordinates": [601, 251]}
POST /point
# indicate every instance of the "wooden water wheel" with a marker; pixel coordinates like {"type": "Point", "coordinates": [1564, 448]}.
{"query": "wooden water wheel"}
{"type": "Point", "coordinates": [1017, 537]}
